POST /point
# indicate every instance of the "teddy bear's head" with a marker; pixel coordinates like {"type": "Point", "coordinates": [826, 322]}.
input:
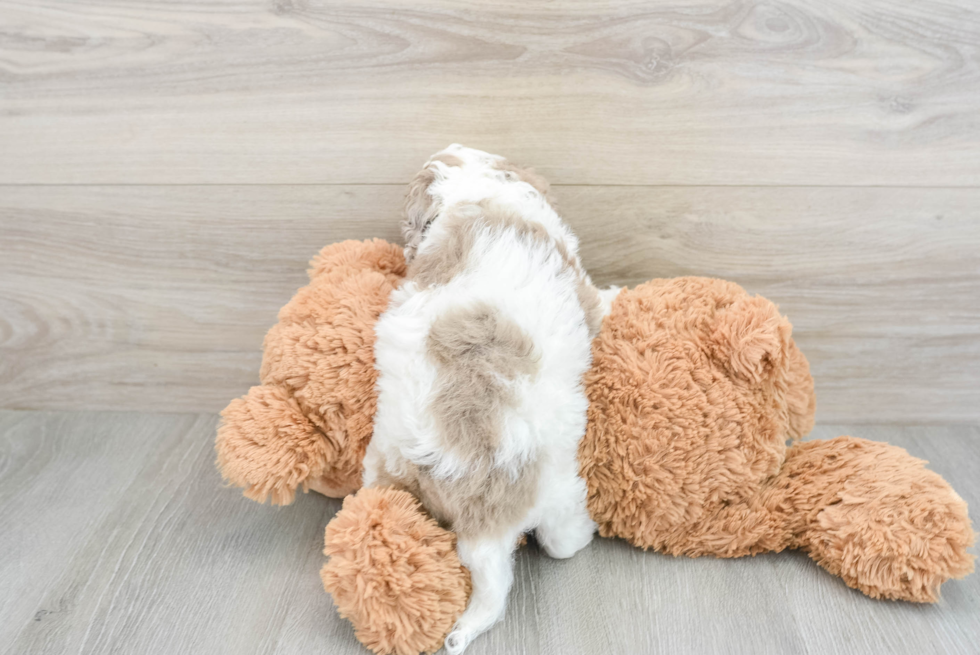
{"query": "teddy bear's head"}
{"type": "Point", "coordinates": [307, 425]}
{"type": "Point", "coordinates": [695, 388]}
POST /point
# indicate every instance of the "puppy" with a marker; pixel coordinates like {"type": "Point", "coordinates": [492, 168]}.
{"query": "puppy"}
{"type": "Point", "coordinates": [480, 356]}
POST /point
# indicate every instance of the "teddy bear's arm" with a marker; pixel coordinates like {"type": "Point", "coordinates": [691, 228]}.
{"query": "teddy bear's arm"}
{"type": "Point", "coordinates": [266, 445]}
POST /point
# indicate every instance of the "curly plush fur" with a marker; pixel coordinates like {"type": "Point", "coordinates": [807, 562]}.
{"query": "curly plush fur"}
{"type": "Point", "coordinates": [882, 521]}
{"type": "Point", "coordinates": [393, 572]}
{"type": "Point", "coordinates": [309, 422]}
{"type": "Point", "coordinates": [695, 388]}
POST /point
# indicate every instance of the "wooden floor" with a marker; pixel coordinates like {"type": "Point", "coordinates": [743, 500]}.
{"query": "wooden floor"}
{"type": "Point", "coordinates": [118, 539]}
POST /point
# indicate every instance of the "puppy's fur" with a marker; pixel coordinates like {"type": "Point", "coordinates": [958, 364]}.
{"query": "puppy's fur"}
{"type": "Point", "coordinates": [480, 357]}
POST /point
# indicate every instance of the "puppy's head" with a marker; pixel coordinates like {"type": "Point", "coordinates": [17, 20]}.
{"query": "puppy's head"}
{"type": "Point", "coordinates": [459, 174]}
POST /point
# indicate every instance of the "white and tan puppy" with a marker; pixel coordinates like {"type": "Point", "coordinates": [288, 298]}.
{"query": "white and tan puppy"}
{"type": "Point", "coordinates": [481, 355]}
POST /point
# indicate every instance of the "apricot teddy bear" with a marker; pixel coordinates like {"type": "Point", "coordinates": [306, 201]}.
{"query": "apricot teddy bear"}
{"type": "Point", "coordinates": [694, 390]}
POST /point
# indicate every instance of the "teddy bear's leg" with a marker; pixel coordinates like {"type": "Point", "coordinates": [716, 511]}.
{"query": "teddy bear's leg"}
{"type": "Point", "coordinates": [393, 572]}
{"type": "Point", "coordinates": [874, 515]}
{"type": "Point", "coordinates": [491, 565]}
{"type": "Point", "coordinates": [267, 445]}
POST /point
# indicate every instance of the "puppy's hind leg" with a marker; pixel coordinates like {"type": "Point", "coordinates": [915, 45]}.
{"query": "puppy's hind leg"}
{"type": "Point", "coordinates": [565, 526]}
{"type": "Point", "coordinates": [491, 566]}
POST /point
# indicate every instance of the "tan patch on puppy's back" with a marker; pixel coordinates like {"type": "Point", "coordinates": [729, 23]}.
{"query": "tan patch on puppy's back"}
{"type": "Point", "coordinates": [478, 352]}
{"type": "Point", "coordinates": [440, 265]}
{"type": "Point", "coordinates": [499, 218]}
{"type": "Point", "coordinates": [485, 502]}
{"type": "Point", "coordinates": [526, 175]}
{"type": "Point", "coordinates": [448, 159]}
{"type": "Point", "coordinates": [420, 206]}
{"type": "Point", "coordinates": [420, 211]}
{"type": "Point", "coordinates": [408, 482]}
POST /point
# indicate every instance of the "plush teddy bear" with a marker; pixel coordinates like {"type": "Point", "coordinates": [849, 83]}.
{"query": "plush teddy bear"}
{"type": "Point", "coordinates": [695, 389]}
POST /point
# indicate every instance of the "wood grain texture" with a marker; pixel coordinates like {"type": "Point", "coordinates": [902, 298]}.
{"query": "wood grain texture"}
{"type": "Point", "coordinates": [796, 92]}
{"type": "Point", "coordinates": [119, 538]}
{"type": "Point", "coordinates": [157, 298]}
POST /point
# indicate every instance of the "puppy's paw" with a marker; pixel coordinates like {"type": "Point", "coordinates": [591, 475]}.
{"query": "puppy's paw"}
{"type": "Point", "coordinates": [458, 640]}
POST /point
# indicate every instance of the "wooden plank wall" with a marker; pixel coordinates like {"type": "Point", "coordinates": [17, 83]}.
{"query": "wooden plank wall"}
{"type": "Point", "coordinates": [167, 169]}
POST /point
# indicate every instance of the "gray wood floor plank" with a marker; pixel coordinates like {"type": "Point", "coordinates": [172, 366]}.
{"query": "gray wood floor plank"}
{"type": "Point", "coordinates": [157, 298]}
{"type": "Point", "coordinates": [119, 538]}
{"type": "Point", "coordinates": [129, 544]}
{"type": "Point", "coordinates": [593, 92]}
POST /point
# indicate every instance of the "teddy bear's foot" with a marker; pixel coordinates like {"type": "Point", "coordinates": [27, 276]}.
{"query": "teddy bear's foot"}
{"type": "Point", "coordinates": [877, 517]}
{"type": "Point", "coordinates": [267, 445]}
{"type": "Point", "coordinates": [393, 572]}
